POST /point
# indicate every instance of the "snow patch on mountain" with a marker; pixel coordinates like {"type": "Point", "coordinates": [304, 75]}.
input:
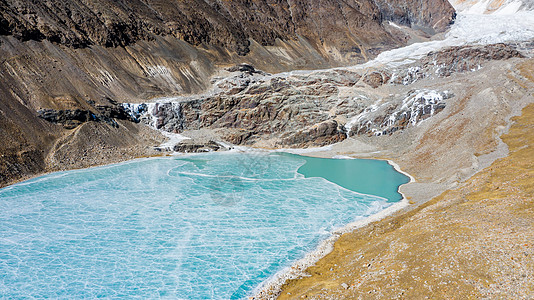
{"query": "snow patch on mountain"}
{"type": "Point", "coordinates": [513, 21]}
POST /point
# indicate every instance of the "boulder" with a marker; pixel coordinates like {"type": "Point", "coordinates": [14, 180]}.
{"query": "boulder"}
{"type": "Point", "coordinates": [324, 133]}
{"type": "Point", "coordinates": [376, 79]}
{"type": "Point", "coordinates": [192, 146]}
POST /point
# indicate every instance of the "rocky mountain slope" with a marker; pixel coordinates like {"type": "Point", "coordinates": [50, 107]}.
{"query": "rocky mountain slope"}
{"type": "Point", "coordinates": [84, 57]}
{"type": "Point", "coordinates": [472, 239]}
{"type": "Point", "coordinates": [464, 242]}
{"type": "Point", "coordinates": [227, 24]}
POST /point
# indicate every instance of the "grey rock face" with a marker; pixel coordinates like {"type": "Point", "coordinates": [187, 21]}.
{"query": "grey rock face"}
{"type": "Point", "coordinates": [434, 15]}
{"type": "Point", "coordinates": [293, 109]}
{"type": "Point", "coordinates": [189, 146]}
{"type": "Point", "coordinates": [452, 60]}
{"type": "Point", "coordinates": [296, 110]}
{"type": "Point", "coordinates": [324, 133]}
{"type": "Point", "coordinates": [468, 58]}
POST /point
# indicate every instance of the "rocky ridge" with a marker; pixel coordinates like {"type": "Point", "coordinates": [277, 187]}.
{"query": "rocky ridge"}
{"type": "Point", "coordinates": [250, 107]}
{"type": "Point", "coordinates": [73, 118]}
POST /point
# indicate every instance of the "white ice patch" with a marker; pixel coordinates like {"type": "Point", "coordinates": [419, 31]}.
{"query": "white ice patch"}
{"type": "Point", "coordinates": [362, 116]}
{"type": "Point", "coordinates": [509, 9]}
{"type": "Point", "coordinates": [417, 104]}
{"type": "Point", "coordinates": [491, 6]}
{"type": "Point", "coordinates": [135, 110]}
{"type": "Point", "coordinates": [304, 151]}
{"type": "Point", "coordinates": [105, 78]}
{"type": "Point", "coordinates": [388, 117]}
{"type": "Point", "coordinates": [342, 157]}
{"type": "Point", "coordinates": [148, 114]}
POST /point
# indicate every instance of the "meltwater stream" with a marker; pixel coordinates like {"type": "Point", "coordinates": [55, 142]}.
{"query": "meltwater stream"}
{"type": "Point", "coordinates": [209, 226]}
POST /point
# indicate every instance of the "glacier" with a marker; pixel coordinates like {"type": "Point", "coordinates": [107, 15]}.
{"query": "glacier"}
{"type": "Point", "coordinates": [476, 24]}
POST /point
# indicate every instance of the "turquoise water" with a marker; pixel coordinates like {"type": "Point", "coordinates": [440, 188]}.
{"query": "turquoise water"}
{"type": "Point", "coordinates": [210, 226]}
{"type": "Point", "coordinates": [366, 176]}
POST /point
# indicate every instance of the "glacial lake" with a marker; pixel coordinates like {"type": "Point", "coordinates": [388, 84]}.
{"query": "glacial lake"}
{"type": "Point", "coordinates": [204, 226]}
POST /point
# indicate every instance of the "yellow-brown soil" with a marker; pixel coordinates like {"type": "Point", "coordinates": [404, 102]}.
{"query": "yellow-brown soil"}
{"type": "Point", "coordinates": [476, 241]}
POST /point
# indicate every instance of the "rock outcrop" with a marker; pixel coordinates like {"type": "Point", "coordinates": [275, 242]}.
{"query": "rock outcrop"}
{"type": "Point", "coordinates": [250, 107]}
{"type": "Point", "coordinates": [190, 146]}
{"type": "Point", "coordinates": [392, 116]}
{"type": "Point", "coordinates": [452, 60]}
{"type": "Point", "coordinates": [295, 110]}
{"type": "Point", "coordinates": [321, 134]}
{"type": "Point", "coordinates": [71, 118]}
{"type": "Point", "coordinates": [376, 79]}
{"type": "Point", "coordinates": [467, 58]}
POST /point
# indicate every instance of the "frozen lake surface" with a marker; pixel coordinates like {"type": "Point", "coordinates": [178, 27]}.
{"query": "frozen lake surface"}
{"type": "Point", "coordinates": [209, 226]}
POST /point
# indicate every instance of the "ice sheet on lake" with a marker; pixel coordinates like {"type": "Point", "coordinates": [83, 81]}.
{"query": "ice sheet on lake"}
{"type": "Point", "coordinates": [210, 226]}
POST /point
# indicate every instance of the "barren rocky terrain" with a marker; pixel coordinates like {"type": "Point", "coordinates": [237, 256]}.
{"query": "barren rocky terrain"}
{"type": "Point", "coordinates": [439, 118]}
{"type": "Point", "coordinates": [86, 56]}
{"type": "Point", "coordinates": [318, 108]}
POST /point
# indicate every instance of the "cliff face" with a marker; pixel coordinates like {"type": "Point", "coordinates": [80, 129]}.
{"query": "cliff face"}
{"type": "Point", "coordinates": [83, 56]}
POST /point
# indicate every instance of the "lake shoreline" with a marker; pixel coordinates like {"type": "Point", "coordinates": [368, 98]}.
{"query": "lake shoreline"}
{"type": "Point", "coordinates": [272, 287]}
